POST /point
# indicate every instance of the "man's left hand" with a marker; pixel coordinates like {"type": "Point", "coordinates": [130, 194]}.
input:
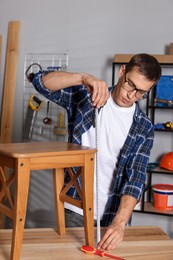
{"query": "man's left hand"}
{"type": "Point", "coordinates": [113, 236]}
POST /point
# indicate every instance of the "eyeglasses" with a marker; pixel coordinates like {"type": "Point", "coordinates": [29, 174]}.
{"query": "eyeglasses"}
{"type": "Point", "coordinates": [130, 87]}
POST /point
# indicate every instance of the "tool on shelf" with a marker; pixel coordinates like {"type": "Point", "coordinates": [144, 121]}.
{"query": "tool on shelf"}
{"type": "Point", "coordinates": [61, 129]}
{"type": "Point", "coordinates": [34, 105]}
{"type": "Point", "coordinates": [47, 120]}
{"type": "Point", "coordinates": [164, 126]}
{"type": "Point", "coordinates": [30, 76]}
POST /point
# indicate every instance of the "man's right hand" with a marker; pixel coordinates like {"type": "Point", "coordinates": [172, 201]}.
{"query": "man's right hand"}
{"type": "Point", "coordinates": [97, 88]}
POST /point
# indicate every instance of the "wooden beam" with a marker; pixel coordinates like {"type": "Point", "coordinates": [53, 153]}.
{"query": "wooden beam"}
{"type": "Point", "coordinates": [9, 81]}
{"type": "Point", "coordinates": [2, 217]}
{"type": "Point", "coordinates": [9, 90]}
{"type": "Point", "coordinates": [0, 50]}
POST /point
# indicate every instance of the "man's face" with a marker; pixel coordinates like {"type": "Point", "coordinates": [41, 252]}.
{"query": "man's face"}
{"type": "Point", "coordinates": [131, 87]}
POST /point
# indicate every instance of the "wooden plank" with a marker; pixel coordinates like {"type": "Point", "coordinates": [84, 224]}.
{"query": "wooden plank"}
{"type": "Point", "coordinates": [9, 88]}
{"type": "Point", "coordinates": [150, 207]}
{"type": "Point", "coordinates": [9, 81]}
{"type": "Point", "coordinates": [140, 243]}
{"type": "Point", "coordinates": [124, 58]}
{"type": "Point", "coordinates": [2, 218]}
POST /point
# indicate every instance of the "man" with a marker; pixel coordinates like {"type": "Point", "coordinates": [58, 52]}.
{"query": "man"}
{"type": "Point", "coordinates": [125, 134]}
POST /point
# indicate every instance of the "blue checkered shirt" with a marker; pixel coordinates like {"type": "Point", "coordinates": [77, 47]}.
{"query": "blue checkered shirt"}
{"type": "Point", "coordinates": [130, 174]}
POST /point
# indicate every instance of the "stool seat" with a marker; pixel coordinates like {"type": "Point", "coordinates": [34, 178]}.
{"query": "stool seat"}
{"type": "Point", "coordinates": [24, 157]}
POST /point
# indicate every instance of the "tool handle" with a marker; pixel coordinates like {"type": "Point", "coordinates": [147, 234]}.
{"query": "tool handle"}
{"type": "Point", "coordinates": [103, 253]}
{"type": "Point", "coordinates": [113, 256]}
{"type": "Point", "coordinates": [38, 102]}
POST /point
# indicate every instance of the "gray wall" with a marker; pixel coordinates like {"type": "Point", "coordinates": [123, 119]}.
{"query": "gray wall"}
{"type": "Point", "coordinates": [91, 32]}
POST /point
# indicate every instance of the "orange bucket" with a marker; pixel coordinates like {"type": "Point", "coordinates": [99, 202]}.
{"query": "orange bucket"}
{"type": "Point", "coordinates": [163, 196]}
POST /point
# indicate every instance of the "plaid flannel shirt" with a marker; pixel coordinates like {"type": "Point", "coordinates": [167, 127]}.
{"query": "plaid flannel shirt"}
{"type": "Point", "coordinates": [130, 174]}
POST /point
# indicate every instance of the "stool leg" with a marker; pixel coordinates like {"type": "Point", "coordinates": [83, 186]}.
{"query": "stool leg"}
{"type": "Point", "coordinates": [58, 177]}
{"type": "Point", "coordinates": [87, 192]}
{"type": "Point", "coordinates": [22, 173]}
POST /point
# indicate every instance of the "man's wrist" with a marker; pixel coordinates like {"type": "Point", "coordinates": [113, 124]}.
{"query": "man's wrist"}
{"type": "Point", "coordinates": [84, 78]}
{"type": "Point", "coordinates": [120, 221]}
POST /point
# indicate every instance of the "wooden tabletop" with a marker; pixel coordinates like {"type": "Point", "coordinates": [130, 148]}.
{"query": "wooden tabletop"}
{"type": "Point", "coordinates": [140, 243]}
{"type": "Point", "coordinates": [37, 149]}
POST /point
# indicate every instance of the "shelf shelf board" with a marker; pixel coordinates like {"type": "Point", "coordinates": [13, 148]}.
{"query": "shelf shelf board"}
{"type": "Point", "coordinates": [160, 107]}
{"type": "Point", "coordinates": [162, 59]}
{"type": "Point", "coordinates": [150, 209]}
{"type": "Point", "coordinates": [163, 130]}
{"type": "Point", "coordinates": [160, 170]}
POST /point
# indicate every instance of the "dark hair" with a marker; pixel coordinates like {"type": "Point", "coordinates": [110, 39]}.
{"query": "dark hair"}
{"type": "Point", "coordinates": [147, 66]}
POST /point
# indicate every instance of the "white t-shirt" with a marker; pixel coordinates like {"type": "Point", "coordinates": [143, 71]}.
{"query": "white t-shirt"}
{"type": "Point", "coordinates": [114, 123]}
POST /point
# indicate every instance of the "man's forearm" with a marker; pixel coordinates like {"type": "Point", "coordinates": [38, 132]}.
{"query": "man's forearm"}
{"type": "Point", "coordinates": [97, 88]}
{"type": "Point", "coordinates": [60, 80]}
{"type": "Point", "coordinates": [115, 232]}
{"type": "Point", "coordinates": [125, 210]}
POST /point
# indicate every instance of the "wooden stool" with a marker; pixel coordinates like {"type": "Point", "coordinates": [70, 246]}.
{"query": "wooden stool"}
{"type": "Point", "coordinates": [24, 157]}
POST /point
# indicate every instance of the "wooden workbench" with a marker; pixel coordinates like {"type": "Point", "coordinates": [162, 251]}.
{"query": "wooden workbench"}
{"type": "Point", "coordinates": [140, 243]}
